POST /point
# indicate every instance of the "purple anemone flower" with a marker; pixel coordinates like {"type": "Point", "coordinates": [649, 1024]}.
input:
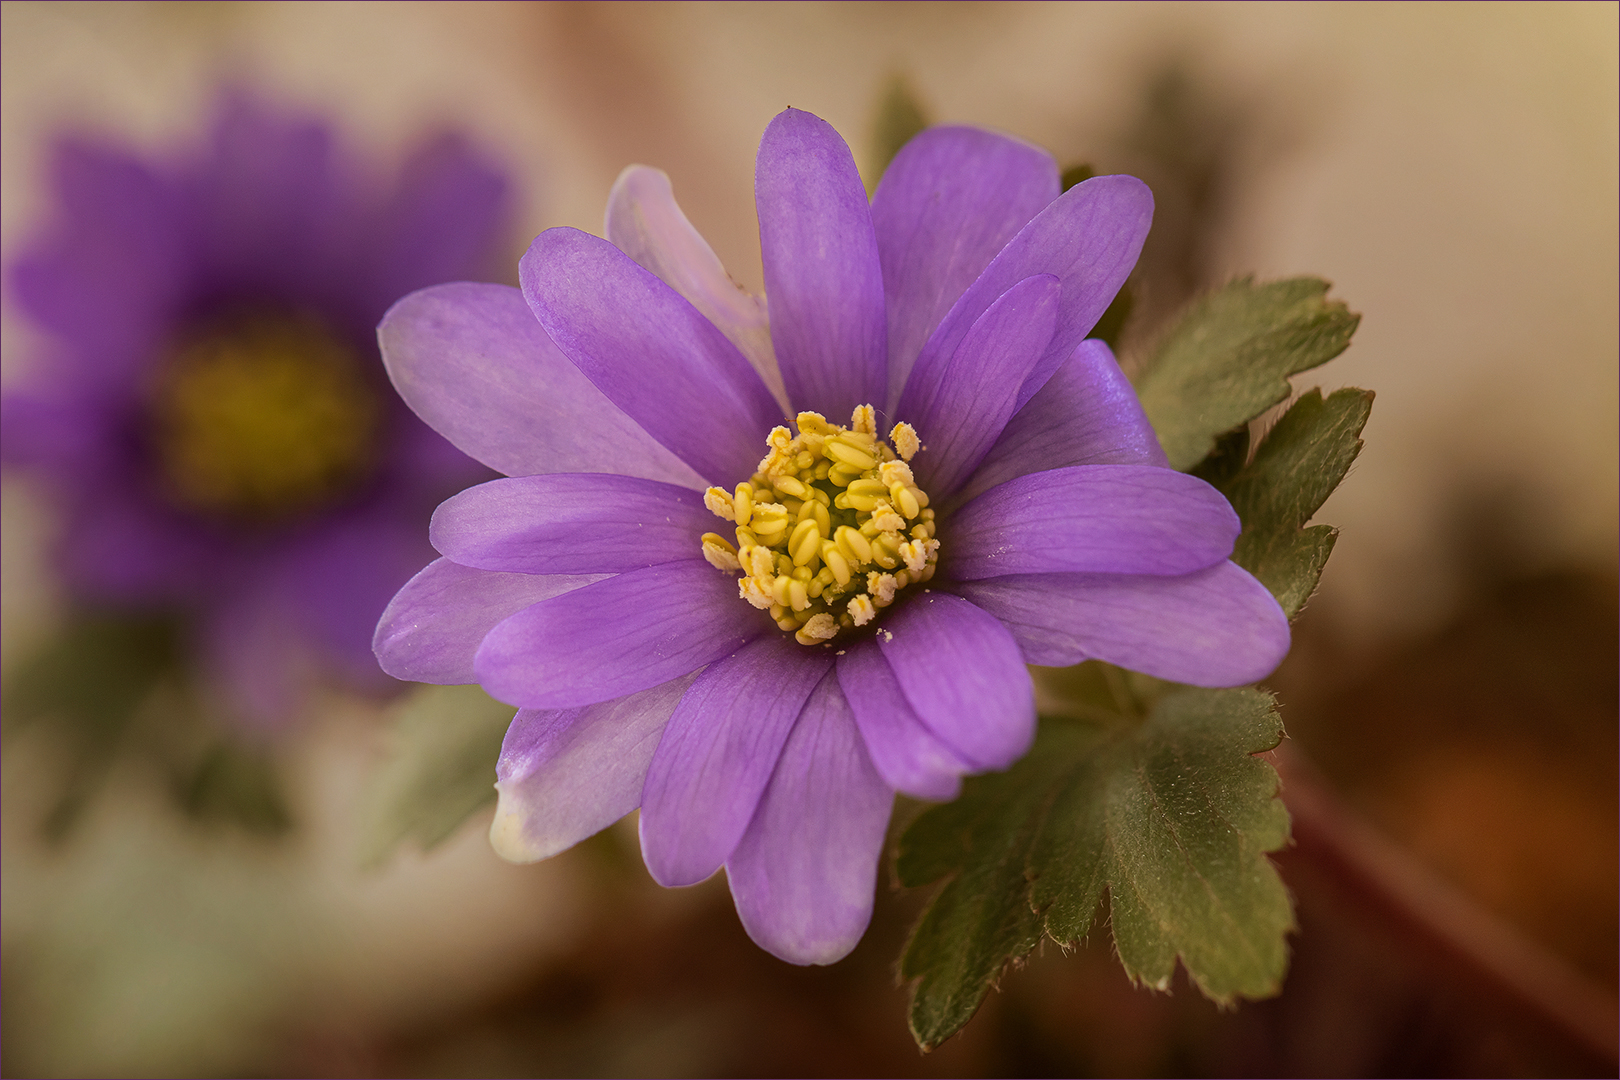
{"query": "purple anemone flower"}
{"type": "Point", "coordinates": [213, 417]}
{"type": "Point", "coordinates": [954, 483]}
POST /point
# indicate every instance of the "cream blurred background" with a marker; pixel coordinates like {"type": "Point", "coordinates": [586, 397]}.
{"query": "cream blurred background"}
{"type": "Point", "coordinates": [1451, 168]}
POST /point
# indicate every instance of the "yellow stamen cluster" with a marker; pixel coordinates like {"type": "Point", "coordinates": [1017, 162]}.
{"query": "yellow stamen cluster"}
{"type": "Point", "coordinates": [830, 528]}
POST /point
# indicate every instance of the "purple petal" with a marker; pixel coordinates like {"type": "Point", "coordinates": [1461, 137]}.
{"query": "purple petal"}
{"type": "Point", "coordinates": [949, 201]}
{"type": "Point", "coordinates": [440, 223]}
{"type": "Point", "coordinates": [432, 629]}
{"type": "Point", "coordinates": [1215, 627]}
{"type": "Point", "coordinates": [617, 636]}
{"type": "Point", "coordinates": [961, 671]}
{"type": "Point", "coordinates": [1086, 414]}
{"type": "Point", "coordinates": [908, 756]}
{"type": "Point", "coordinates": [565, 774]}
{"type": "Point", "coordinates": [805, 873]}
{"type": "Point", "coordinates": [571, 523]}
{"type": "Point", "coordinates": [650, 352]}
{"type": "Point", "coordinates": [111, 272]}
{"type": "Point", "coordinates": [718, 752]}
{"type": "Point", "coordinates": [1107, 519]}
{"type": "Point", "coordinates": [472, 361]}
{"type": "Point", "coordinates": [644, 222]}
{"type": "Point", "coordinates": [822, 275]}
{"type": "Point", "coordinates": [1089, 239]}
{"type": "Point", "coordinates": [960, 405]}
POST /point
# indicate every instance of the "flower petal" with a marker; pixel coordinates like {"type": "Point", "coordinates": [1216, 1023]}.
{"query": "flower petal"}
{"type": "Point", "coordinates": [805, 873]}
{"type": "Point", "coordinates": [1089, 238]}
{"type": "Point", "coordinates": [474, 364]}
{"type": "Point", "coordinates": [948, 202]}
{"type": "Point", "coordinates": [718, 752]}
{"type": "Point", "coordinates": [431, 630]}
{"type": "Point", "coordinates": [1086, 414]}
{"type": "Point", "coordinates": [1214, 627]}
{"type": "Point", "coordinates": [962, 672]}
{"type": "Point", "coordinates": [447, 211]}
{"type": "Point", "coordinates": [822, 276]}
{"type": "Point", "coordinates": [650, 352]}
{"type": "Point", "coordinates": [644, 222]}
{"type": "Point", "coordinates": [908, 756]}
{"type": "Point", "coordinates": [570, 523]}
{"type": "Point", "coordinates": [565, 774]}
{"type": "Point", "coordinates": [614, 637]}
{"type": "Point", "coordinates": [961, 404]}
{"type": "Point", "coordinates": [1115, 519]}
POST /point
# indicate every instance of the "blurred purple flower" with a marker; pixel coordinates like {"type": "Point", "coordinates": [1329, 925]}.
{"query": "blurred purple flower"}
{"type": "Point", "coordinates": [628, 375]}
{"type": "Point", "coordinates": [213, 419]}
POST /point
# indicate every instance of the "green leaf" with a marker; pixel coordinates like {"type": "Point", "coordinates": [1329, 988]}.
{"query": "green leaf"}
{"type": "Point", "coordinates": [900, 116]}
{"type": "Point", "coordinates": [234, 783]}
{"type": "Point", "coordinates": [1149, 793]}
{"type": "Point", "coordinates": [1299, 463]}
{"type": "Point", "coordinates": [89, 685]}
{"type": "Point", "coordinates": [440, 769]}
{"type": "Point", "coordinates": [1228, 359]}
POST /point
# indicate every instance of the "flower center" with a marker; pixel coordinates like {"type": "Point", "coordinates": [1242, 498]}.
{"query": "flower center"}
{"type": "Point", "coordinates": [262, 418]}
{"type": "Point", "coordinates": [831, 527]}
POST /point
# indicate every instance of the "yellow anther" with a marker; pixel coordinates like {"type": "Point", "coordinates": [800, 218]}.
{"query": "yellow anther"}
{"type": "Point", "coordinates": [836, 563]}
{"type": "Point", "coordinates": [721, 555]}
{"type": "Point", "coordinates": [855, 547]}
{"type": "Point", "coordinates": [805, 543]}
{"type": "Point", "coordinates": [748, 588]}
{"type": "Point", "coordinates": [821, 627]}
{"type": "Point", "coordinates": [812, 423]}
{"type": "Point", "coordinates": [896, 472]}
{"type": "Point", "coordinates": [906, 443]}
{"type": "Point", "coordinates": [849, 456]}
{"type": "Point", "coordinates": [830, 509]}
{"type": "Point", "coordinates": [718, 503]}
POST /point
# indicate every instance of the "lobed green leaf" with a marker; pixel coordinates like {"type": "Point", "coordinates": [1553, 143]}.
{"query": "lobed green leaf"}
{"type": "Point", "coordinates": [1297, 466]}
{"type": "Point", "coordinates": [440, 769]}
{"type": "Point", "coordinates": [1164, 809]}
{"type": "Point", "coordinates": [1228, 359]}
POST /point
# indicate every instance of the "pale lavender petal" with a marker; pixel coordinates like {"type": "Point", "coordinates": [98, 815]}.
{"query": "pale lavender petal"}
{"type": "Point", "coordinates": [960, 405]}
{"type": "Point", "coordinates": [948, 202]}
{"type": "Point", "coordinates": [1106, 519]}
{"type": "Point", "coordinates": [962, 672]}
{"type": "Point", "coordinates": [432, 629]}
{"type": "Point", "coordinates": [718, 752]}
{"type": "Point", "coordinates": [650, 352]}
{"type": "Point", "coordinates": [617, 636]}
{"type": "Point", "coordinates": [472, 361]}
{"type": "Point", "coordinates": [571, 523]}
{"type": "Point", "coordinates": [1086, 414]}
{"type": "Point", "coordinates": [908, 756]}
{"type": "Point", "coordinates": [822, 275]}
{"type": "Point", "coordinates": [805, 873]}
{"type": "Point", "coordinates": [565, 774]}
{"type": "Point", "coordinates": [1089, 239]}
{"type": "Point", "coordinates": [644, 222]}
{"type": "Point", "coordinates": [1215, 627]}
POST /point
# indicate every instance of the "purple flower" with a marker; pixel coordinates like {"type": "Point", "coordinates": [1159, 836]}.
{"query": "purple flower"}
{"type": "Point", "coordinates": [213, 418]}
{"type": "Point", "coordinates": [1037, 521]}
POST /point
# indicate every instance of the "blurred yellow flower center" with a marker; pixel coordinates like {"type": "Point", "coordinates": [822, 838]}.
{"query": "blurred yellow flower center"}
{"type": "Point", "coordinates": [263, 418]}
{"type": "Point", "coordinates": [830, 528]}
